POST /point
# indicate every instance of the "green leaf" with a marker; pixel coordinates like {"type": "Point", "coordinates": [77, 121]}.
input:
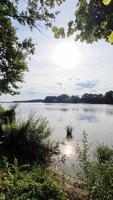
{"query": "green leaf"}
{"type": "Point", "coordinates": [57, 35]}
{"type": "Point", "coordinates": [54, 29]}
{"type": "Point", "coordinates": [110, 38]}
{"type": "Point", "coordinates": [106, 2]}
{"type": "Point", "coordinates": [61, 30]}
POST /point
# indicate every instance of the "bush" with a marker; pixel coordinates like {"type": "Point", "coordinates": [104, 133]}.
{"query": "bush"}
{"type": "Point", "coordinates": [101, 181]}
{"type": "Point", "coordinates": [25, 184]}
{"type": "Point", "coordinates": [28, 141]}
{"type": "Point", "coordinates": [98, 173]}
{"type": "Point", "coordinates": [104, 154]}
{"type": "Point", "coordinates": [1, 112]}
{"type": "Point", "coordinates": [1, 109]}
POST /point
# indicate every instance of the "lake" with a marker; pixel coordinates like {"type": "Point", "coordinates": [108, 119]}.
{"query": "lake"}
{"type": "Point", "coordinates": [96, 120]}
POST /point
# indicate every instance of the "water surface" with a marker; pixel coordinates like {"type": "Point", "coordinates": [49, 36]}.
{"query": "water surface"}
{"type": "Point", "coordinates": [96, 120]}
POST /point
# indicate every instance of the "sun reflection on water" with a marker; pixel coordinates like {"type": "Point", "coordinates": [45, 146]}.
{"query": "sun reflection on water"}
{"type": "Point", "coordinates": [67, 149]}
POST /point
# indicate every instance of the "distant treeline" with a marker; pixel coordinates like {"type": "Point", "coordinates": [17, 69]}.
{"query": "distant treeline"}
{"type": "Point", "coordinates": [86, 98]}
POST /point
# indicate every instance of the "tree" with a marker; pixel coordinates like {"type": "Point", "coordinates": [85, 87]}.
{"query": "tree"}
{"type": "Point", "coordinates": [13, 51]}
{"type": "Point", "coordinates": [75, 99]}
{"type": "Point", "coordinates": [109, 97]}
{"type": "Point", "coordinates": [50, 99]}
{"type": "Point", "coordinates": [63, 98]}
{"type": "Point", "coordinates": [93, 21]}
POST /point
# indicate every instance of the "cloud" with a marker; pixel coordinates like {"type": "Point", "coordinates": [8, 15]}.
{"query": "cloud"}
{"type": "Point", "coordinates": [86, 84]}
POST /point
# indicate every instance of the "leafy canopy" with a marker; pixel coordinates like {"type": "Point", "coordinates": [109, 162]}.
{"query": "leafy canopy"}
{"type": "Point", "coordinates": [13, 51]}
{"type": "Point", "coordinates": [93, 21]}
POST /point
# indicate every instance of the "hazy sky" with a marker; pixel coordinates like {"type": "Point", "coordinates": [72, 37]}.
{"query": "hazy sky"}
{"type": "Point", "coordinates": [65, 66]}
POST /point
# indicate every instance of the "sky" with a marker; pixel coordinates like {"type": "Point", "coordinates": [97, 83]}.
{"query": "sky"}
{"type": "Point", "coordinates": [63, 65]}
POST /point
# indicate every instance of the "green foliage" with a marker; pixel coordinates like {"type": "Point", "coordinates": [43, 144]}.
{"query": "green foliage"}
{"type": "Point", "coordinates": [104, 154]}
{"type": "Point", "coordinates": [13, 51]}
{"type": "Point", "coordinates": [28, 141]}
{"type": "Point", "coordinates": [84, 157]}
{"type": "Point", "coordinates": [97, 173]}
{"type": "Point", "coordinates": [100, 181]}
{"type": "Point", "coordinates": [23, 183]}
{"type": "Point", "coordinates": [7, 117]}
{"type": "Point", "coordinates": [1, 109]}
{"type": "Point", "coordinates": [12, 54]}
{"type": "Point", "coordinates": [94, 20]}
{"type": "Point", "coordinates": [58, 32]}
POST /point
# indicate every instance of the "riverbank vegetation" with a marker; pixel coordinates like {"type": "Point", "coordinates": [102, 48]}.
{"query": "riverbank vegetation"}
{"type": "Point", "coordinates": [97, 172]}
{"type": "Point", "coordinates": [25, 182]}
{"type": "Point", "coordinates": [27, 140]}
{"type": "Point", "coordinates": [25, 152]}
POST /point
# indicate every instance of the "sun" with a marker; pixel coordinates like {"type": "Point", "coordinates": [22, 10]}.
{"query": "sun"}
{"type": "Point", "coordinates": [67, 55]}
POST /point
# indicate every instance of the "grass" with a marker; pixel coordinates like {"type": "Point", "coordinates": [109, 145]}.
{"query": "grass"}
{"type": "Point", "coordinates": [28, 140]}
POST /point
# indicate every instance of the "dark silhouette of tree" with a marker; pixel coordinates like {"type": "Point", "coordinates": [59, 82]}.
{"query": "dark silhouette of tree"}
{"type": "Point", "coordinates": [75, 99]}
{"type": "Point", "coordinates": [64, 98]}
{"type": "Point", "coordinates": [92, 98]}
{"type": "Point", "coordinates": [109, 97]}
{"type": "Point", "coordinates": [50, 99]}
{"type": "Point", "coordinates": [86, 98]}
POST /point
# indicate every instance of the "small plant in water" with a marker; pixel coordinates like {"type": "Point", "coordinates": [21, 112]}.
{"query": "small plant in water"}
{"type": "Point", "coordinates": [69, 130]}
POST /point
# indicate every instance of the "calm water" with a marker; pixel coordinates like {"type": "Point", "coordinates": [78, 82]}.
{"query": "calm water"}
{"type": "Point", "coordinates": [96, 120]}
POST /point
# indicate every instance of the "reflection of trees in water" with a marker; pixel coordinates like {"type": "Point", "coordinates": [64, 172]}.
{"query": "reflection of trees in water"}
{"type": "Point", "coordinates": [64, 109]}
{"type": "Point", "coordinates": [109, 112]}
{"type": "Point", "coordinates": [59, 109]}
{"type": "Point", "coordinates": [90, 110]}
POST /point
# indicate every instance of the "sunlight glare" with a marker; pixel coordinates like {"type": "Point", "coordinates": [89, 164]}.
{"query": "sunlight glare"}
{"type": "Point", "coordinates": [67, 55]}
{"type": "Point", "coordinates": [67, 149]}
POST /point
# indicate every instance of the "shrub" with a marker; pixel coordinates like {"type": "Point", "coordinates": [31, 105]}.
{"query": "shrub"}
{"type": "Point", "coordinates": [28, 141]}
{"type": "Point", "coordinates": [104, 154]}
{"type": "Point", "coordinates": [1, 109]}
{"type": "Point", "coordinates": [23, 184]}
{"type": "Point", "coordinates": [97, 173]}
{"type": "Point", "coordinates": [101, 182]}
{"type": "Point", "coordinates": [1, 112]}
